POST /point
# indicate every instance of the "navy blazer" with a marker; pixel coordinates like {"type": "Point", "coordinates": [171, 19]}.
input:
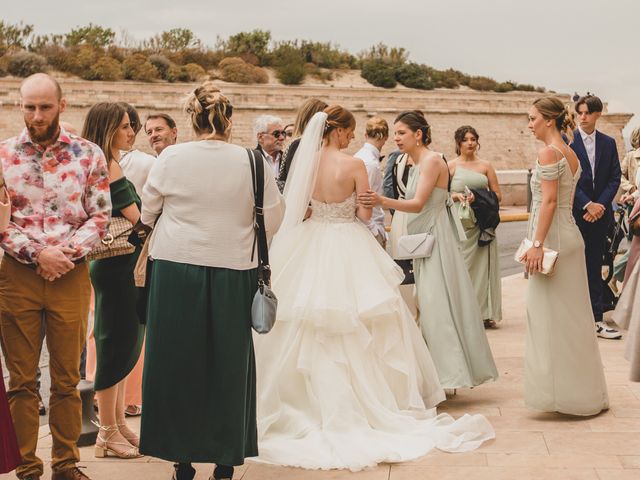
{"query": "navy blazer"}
{"type": "Point", "coordinates": [607, 174]}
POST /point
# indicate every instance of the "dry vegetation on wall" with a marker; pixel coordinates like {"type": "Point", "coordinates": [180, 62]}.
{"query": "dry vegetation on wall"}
{"type": "Point", "coordinates": [93, 52]}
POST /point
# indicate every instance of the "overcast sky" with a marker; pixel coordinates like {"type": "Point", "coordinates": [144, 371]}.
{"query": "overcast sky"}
{"type": "Point", "coordinates": [565, 46]}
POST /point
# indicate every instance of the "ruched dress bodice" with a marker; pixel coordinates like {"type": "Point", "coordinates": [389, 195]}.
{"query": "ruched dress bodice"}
{"type": "Point", "coordinates": [340, 212]}
{"type": "Point", "coordinates": [563, 216]}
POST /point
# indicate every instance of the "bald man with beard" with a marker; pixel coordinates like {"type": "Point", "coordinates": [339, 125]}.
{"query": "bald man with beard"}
{"type": "Point", "coordinates": [59, 187]}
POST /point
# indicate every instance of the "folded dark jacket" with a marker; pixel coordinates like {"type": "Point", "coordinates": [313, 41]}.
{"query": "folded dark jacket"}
{"type": "Point", "coordinates": [487, 211]}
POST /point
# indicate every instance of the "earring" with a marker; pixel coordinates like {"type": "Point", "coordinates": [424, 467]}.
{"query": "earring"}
{"type": "Point", "coordinates": [417, 144]}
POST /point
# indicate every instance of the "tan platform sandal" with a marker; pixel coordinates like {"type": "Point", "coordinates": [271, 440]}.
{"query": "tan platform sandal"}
{"type": "Point", "coordinates": [104, 447]}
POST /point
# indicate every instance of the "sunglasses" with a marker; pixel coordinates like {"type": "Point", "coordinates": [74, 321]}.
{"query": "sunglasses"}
{"type": "Point", "coordinates": [278, 133]}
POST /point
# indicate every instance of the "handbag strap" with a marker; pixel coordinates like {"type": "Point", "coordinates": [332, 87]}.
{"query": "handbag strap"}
{"type": "Point", "coordinates": [260, 234]}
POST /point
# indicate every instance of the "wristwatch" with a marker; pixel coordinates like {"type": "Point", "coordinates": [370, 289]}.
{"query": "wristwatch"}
{"type": "Point", "coordinates": [537, 244]}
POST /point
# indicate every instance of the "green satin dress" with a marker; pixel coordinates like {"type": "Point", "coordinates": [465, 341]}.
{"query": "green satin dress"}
{"type": "Point", "coordinates": [118, 330]}
{"type": "Point", "coordinates": [450, 318]}
{"type": "Point", "coordinates": [483, 263]}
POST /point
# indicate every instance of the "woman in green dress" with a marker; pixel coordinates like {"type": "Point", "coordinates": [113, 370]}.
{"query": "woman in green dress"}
{"type": "Point", "coordinates": [469, 172]}
{"type": "Point", "coordinates": [118, 331]}
{"type": "Point", "coordinates": [450, 318]}
{"type": "Point", "coordinates": [199, 382]}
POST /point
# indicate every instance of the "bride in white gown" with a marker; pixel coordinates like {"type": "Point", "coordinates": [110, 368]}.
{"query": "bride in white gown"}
{"type": "Point", "coordinates": [345, 379]}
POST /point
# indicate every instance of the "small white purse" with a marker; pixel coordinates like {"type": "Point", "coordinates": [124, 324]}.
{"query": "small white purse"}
{"type": "Point", "coordinates": [419, 245]}
{"type": "Point", "coordinates": [549, 259]}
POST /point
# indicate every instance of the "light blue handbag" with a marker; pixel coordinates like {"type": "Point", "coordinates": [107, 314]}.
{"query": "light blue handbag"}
{"type": "Point", "coordinates": [265, 303]}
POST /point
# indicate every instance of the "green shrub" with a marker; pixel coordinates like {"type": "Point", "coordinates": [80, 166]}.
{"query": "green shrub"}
{"type": "Point", "coordinates": [379, 73]}
{"type": "Point", "coordinates": [4, 66]}
{"type": "Point", "coordinates": [230, 61]}
{"type": "Point", "coordinates": [176, 73]}
{"type": "Point", "coordinates": [243, 73]}
{"type": "Point", "coordinates": [106, 68]}
{"type": "Point", "coordinates": [23, 64]}
{"type": "Point", "coordinates": [445, 79]}
{"type": "Point", "coordinates": [138, 67]}
{"type": "Point", "coordinates": [412, 75]}
{"type": "Point", "coordinates": [326, 55]}
{"type": "Point", "coordinates": [205, 58]}
{"type": "Point", "coordinates": [194, 71]}
{"type": "Point", "coordinates": [79, 60]}
{"type": "Point", "coordinates": [288, 62]}
{"type": "Point", "coordinates": [504, 87]}
{"type": "Point", "coordinates": [255, 42]}
{"type": "Point", "coordinates": [484, 84]}
{"type": "Point", "coordinates": [55, 55]}
{"type": "Point", "coordinates": [161, 63]}
{"type": "Point", "coordinates": [525, 87]}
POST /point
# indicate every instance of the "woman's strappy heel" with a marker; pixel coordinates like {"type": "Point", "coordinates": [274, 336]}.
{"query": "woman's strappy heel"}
{"type": "Point", "coordinates": [131, 437]}
{"type": "Point", "coordinates": [104, 447]}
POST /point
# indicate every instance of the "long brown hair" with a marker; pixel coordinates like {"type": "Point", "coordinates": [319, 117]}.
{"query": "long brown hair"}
{"type": "Point", "coordinates": [101, 123]}
{"type": "Point", "coordinates": [307, 110]}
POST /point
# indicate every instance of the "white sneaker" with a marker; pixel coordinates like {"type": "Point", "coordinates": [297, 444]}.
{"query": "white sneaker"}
{"type": "Point", "coordinates": [604, 331]}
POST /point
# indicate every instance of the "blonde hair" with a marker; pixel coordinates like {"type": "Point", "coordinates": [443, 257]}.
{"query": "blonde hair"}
{"type": "Point", "coordinates": [377, 127]}
{"type": "Point", "coordinates": [635, 138]}
{"type": "Point", "coordinates": [307, 110]}
{"type": "Point", "coordinates": [552, 108]}
{"type": "Point", "coordinates": [209, 110]}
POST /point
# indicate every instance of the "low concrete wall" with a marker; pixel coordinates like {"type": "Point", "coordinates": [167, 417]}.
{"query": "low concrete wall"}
{"type": "Point", "coordinates": [514, 186]}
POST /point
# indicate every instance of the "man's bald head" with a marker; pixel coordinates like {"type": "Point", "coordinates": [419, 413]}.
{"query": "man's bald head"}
{"type": "Point", "coordinates": [40, 82]}
{"type": "Point", "coordinates": [41, 103]}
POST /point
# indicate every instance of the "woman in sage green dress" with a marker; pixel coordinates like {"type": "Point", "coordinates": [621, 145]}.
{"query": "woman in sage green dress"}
{"type": "Point", "coordinates": [483, 262]}
{"type": "Point", "coordinates": [563, 370]}
{"type": "Point", "coordinates": [199, 382]}
{"type": "Point", "coordinates": [450, 317]}
{"type": "Point", "coordinates": [118, 331]}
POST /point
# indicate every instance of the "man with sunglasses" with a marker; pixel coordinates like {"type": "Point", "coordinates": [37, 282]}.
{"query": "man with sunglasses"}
{"type": "Point", "coordinates": [271, 135]}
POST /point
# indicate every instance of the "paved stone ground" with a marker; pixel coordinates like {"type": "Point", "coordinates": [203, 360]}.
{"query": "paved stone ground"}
{"type": "Point", "coordinates": [528, 445]}
{"type": "Point", "coordinates": [509, 235]}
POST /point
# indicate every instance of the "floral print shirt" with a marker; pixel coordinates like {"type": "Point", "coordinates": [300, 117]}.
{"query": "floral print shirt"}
{"type": "Point", "coordinates": [59, 195]}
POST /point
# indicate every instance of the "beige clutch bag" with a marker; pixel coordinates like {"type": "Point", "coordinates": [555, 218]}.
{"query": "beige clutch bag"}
{"type": "Point", "coordinates": [549, 260]}
{"type": "Point", "coordinates": [419, 245]}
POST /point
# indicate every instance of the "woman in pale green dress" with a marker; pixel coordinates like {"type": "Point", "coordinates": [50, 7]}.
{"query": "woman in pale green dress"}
{"type": "Point", "coordinates": [450, 317]}
{"type": "Point", "coordinates": [563, 370]}
{"type": "Point", "coordinates": [483, 262]}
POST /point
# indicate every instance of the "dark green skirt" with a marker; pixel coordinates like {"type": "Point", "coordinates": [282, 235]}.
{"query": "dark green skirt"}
{"type": "Point", "coordinates": [117, 329]}
{"type": "Point", "coordinates": [198, 387]}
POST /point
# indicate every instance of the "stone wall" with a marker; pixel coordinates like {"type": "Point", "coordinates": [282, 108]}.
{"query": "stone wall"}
{"type": "Point", "coordinates": [500, 118]}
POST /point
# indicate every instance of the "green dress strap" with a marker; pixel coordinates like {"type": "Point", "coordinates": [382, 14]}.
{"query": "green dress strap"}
{"type": "Point", "coordinates": [123, 194]}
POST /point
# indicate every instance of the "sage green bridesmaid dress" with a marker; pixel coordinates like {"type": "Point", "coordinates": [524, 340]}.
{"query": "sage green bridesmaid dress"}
{"type": "Point", "coordinates": [450, 317]}
{"type": "Point", "coordinates": [563, 370]}
{"type": "Point", "coordinates": [483, 262]}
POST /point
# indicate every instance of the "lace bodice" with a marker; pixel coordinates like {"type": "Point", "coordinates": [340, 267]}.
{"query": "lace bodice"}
{"type": "Point", "coordinates": [340, 212]}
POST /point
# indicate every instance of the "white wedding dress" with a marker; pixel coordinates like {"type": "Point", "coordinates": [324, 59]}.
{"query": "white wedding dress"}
{"type": "Point", "coordinates": [345, 379]}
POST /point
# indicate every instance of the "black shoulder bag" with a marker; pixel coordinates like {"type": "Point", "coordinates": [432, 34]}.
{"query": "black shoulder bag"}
{"type": "Point", "coordinates": [265, 303]}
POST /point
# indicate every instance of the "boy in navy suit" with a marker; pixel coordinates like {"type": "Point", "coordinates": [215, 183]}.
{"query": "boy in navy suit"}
{"type": "Point", "coordinates": [596, 189]}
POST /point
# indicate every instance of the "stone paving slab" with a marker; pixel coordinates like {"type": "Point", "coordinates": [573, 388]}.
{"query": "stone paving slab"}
{"type": "Point", "coordinates": [529, 445]}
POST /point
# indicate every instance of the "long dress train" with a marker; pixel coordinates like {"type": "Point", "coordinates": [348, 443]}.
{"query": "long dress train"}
{"type": "Point", "coordinates": [345, 379]}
